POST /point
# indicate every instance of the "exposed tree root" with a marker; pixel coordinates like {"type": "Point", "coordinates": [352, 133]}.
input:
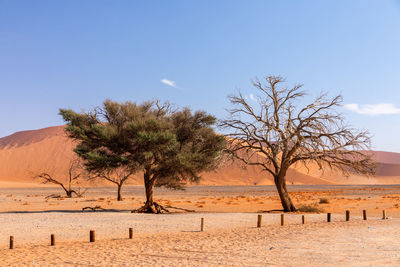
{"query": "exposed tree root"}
{"type": "Point", "coordinates": [157, 209]}
{"type": "Point", "coordinates": [151, 208]}
{"type": "Point", "coordinates": [187, 210]}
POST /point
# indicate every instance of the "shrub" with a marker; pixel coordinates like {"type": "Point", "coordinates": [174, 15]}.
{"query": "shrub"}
{"type": "Point", "coordinates": [310, 208]}
{"type": "Point", "coordinates": [323, 201]}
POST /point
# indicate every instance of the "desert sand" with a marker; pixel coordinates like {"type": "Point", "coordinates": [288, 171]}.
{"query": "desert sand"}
{"type": "Point", "coordinates": [228, 240]}
{"type": "Point", "coordinates": [208, 199]}
{"type": "Point", "coordinates": [229, 200]}
{"type": "Point", "coordinates": [230, 236]}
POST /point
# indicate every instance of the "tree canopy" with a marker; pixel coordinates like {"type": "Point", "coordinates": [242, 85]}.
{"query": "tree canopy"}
{"type": "Point", "coordinates": [170, 147]}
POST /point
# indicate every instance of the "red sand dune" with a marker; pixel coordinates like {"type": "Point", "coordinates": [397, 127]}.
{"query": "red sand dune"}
{"type": "Point", "coordinates": [25, 153]}
{"type": "Point", "coordinates": [387, 157]}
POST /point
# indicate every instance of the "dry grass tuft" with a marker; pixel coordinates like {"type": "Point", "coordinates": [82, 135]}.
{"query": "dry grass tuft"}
{"type": "Point", "coordinates": [313, 208]}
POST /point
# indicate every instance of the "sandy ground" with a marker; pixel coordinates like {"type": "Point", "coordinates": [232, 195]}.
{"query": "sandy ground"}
{"type": "Point", "coordinates": [35, 228]}
{"type": "Point", "coordinates": [210, 198]}
{"type": "Point", "coordinates": [374, 242]}
{"type": "Point", "coordinates": [230, 237]}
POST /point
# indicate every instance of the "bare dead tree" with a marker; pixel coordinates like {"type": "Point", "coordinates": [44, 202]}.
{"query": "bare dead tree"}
{"type": "Point", "coordinates": [74, 173]}
{"type": "Point", "coordinates": [116, 176]}
{"type": "Point", "coordinates": [275, 133]}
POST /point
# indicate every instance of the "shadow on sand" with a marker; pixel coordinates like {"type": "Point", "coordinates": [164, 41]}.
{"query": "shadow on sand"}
{"type": "Point", "coordinates": [65, 211]}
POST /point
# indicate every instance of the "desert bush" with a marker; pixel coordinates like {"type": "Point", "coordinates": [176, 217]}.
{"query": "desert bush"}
{"type": "Point", "coordinates": [310, 208]}
{"type": "Point", "coordinates": [323, 201]}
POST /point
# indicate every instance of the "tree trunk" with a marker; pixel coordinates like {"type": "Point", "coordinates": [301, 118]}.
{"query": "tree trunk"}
{"type": "Point", "coordinates": [119, 197]}
{"type": "Point", "coordinates": [150, 206]}
{"type": "Point", "coordinates": [286, 201]}
{"type": "Point", "coordinates": [148, 184]}
{"type": "Point", "coordinates": [69, 193]}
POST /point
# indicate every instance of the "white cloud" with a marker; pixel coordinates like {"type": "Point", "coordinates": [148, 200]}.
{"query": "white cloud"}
{"type": "Point", "coordinates": [252, 97]}
{"type": "Point", "coordinates": [168, 82]}
{"type": "Point", "coordinates": [374, 109]}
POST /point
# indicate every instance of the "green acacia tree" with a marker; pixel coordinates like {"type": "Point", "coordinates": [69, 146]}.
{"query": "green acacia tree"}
{"type": "Point", "coordinates": [170, 147]}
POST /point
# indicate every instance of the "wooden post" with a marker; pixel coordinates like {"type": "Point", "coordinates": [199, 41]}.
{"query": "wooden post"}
{"type": "Point", "coordinates": [347, 215]}
{"type": "Point", "coordinates": [383, 214]}
{"type": "Point", "coordinates": [328, 217]}
{"type": "Point", "coordinates": [364, 215]}
{"type": "Point", "coordinates": [259, 218]}
{"type": "Point", "coordinates": [282, 219]}
{"type": "Point", "coordinates": [11, 242]}
{"type": "Point", "coordinates": [130, 233]}
{"type": "Point", "coordinates": [202, 225]}
{"type": "Point", "coordinates": [303, 219]}
{"type": "Point", "coordinates": [92, 236]}
{"type": "Point", "coordinates": [52, 240]}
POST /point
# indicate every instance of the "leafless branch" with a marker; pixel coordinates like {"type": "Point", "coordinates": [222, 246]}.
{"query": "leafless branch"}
{"type": "Point", "coordinates": [67, 183]}
{"type": "Point", "coordinates": [276, 133]}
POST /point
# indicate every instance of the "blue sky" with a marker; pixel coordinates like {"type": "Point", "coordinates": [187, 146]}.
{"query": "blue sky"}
{"type": "Point", "coordinates": [75, 54]}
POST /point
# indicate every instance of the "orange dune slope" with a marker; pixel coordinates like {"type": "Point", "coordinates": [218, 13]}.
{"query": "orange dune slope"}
{"type": "Point", "coordinates": [25, 153]}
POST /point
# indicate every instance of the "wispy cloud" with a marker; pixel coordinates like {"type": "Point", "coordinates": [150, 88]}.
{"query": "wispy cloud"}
{"type": "Point", "coordinates": [252, 97]}
{"type": "Point", "coordinates": [168, 82]}
{"type": "Point", "coordinates": [374, 109]}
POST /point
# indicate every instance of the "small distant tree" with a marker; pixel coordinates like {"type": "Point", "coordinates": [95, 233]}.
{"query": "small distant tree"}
{"type": "Point", "coordinates": [170, 147]}
{"type": "Point", "coordinates": [117, 176]}
{"type": "Point", "coordinates": [276, 132]}
{"type": "Point", "coordinates": [69, 182]}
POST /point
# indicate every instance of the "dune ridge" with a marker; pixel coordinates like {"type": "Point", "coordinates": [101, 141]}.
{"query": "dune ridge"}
{"type": "Point", "coordinates": [27, 152]}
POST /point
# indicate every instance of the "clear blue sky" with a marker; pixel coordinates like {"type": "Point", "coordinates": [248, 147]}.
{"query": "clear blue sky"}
{"type": "Point", "coordinates": [75, 54]}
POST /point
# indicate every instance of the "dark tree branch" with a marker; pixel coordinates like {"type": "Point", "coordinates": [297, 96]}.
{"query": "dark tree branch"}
{"type": "Point", "coordinates": [74, 173]}
{"type": "Point", "coordinates": [285, 134]}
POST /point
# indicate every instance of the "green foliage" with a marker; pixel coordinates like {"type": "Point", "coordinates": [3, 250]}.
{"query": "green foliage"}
{"type": "Point", "coordinates": [169, 147]}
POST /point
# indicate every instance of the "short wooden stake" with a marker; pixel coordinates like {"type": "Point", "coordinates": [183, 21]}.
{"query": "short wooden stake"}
{"type": "Point", "coordinates": [92, 236]}
{"type": "Point", "coordinates": [328, 217]}
{"type": "Point", "coordinates": [282, 219]}
{"type": "Point", "coordinates": [52, 240]}
{"type": "Point", "coordinates": [364, 215]}
{"type": "Point", "coordinates": [259, 218]}
{"type": "Point", "coordinates": [202, 225]}
{"type": "Point", "coordinates": [11, 242]}
{"type": "Point", "coordinates": [347, 215]}
{"type": "Point", "coordinates": [130, 233]}
{"type": "Point", "coordinates": [383, 214]}
{"type": "Point", "coordinates": [303, 219]}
